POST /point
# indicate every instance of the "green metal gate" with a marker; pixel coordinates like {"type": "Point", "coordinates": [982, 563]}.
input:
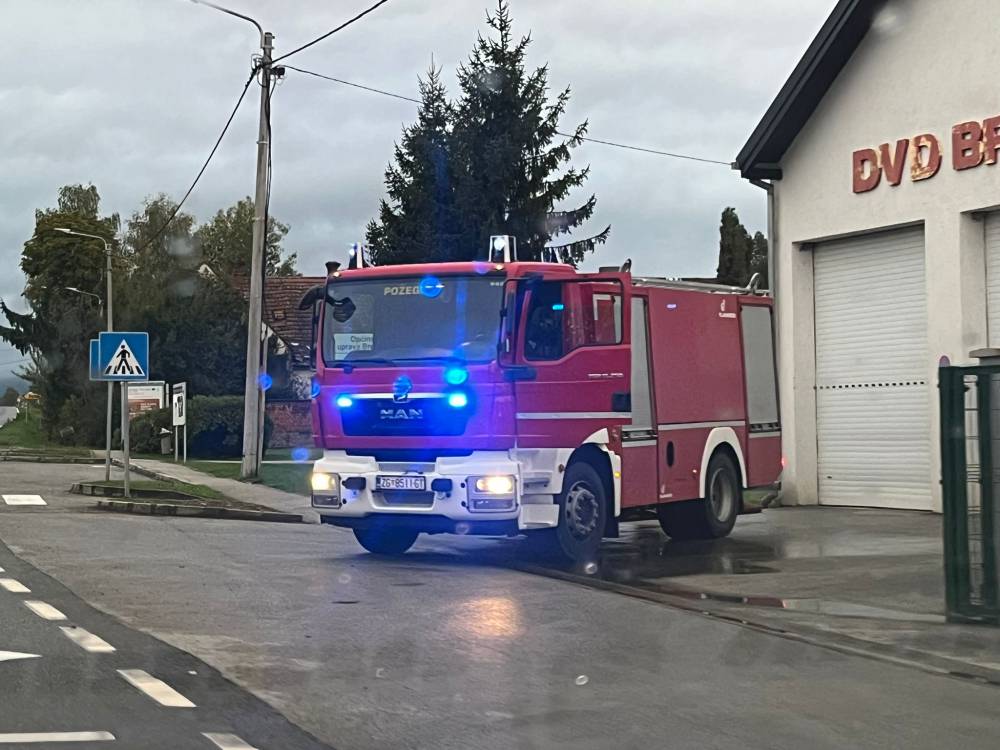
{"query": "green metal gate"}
{"type": "Point", "coordinates": [970, 472]}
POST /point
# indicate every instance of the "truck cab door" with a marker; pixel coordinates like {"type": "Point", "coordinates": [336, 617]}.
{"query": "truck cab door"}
{"type": "Point", "coordinates": [572, 359]}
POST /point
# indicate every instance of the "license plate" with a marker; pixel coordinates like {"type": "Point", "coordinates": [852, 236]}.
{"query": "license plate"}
{"type": "Point", "coordinates": [415, 484]}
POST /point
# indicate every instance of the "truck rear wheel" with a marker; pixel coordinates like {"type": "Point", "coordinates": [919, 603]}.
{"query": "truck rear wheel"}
{"type": "Point", "coordinates": [382, 540]}
{"type": "Point", "coordinates": [712, 516]}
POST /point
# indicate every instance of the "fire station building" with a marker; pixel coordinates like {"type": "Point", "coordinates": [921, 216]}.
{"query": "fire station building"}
{"type": "Point", "coordinates": [879, 156]}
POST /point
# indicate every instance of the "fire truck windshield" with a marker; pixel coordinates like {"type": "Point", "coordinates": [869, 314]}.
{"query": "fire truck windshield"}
{"type": "Point", "coordinates": [404, 318]}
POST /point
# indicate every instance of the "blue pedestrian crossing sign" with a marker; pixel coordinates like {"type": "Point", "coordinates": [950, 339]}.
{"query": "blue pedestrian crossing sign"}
{"type": "Point", "coordinates": [124, 356]}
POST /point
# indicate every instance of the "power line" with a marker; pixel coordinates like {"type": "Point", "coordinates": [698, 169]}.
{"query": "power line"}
{"type": "Point", "coordinates": [331, 32]}
{"type": "Point", "coordinates": [204, 166]}
{"type": "Point", "coordinates": [373, 90]}
{"type": "Point", "coordinates": [646, 150]}
{"type": "Point", "coordinates": [355, 85]}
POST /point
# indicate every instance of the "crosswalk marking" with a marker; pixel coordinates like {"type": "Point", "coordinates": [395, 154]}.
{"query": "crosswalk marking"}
{"type": "Point", "coordinates": [14, 655]}
{"type": "Point", "coordinates": [156, 689]}
{"type": "Point", "coordinates": [23, 738]}
{"type": "Point", "coordinates": [23, 499]}
{"type": "Point", "coordinates": [87, 640]}
{"type": "Point", "coordinates": [227, 741]}
{"type": "Point", "coordinates": [14, 586]}
{"type": "Point", "coordinates": [43, 610]}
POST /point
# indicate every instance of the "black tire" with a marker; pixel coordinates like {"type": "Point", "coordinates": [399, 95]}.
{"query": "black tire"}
{"type": "Point", "coordinates": [583, 510]}
{"type": "Point", "coordinates": [382, 540]}
{"type": "Point", "coordinates": [712, 516]}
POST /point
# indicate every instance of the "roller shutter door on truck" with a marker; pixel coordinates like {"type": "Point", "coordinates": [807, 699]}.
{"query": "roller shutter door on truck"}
{"type": "Point", "coordinates": [872, 395]}
{"type": "Point", "coordinates": [993, 277]}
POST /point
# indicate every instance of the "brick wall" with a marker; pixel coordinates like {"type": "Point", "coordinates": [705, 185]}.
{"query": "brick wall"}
{"type": "Point", "coordinates": [292, 424]}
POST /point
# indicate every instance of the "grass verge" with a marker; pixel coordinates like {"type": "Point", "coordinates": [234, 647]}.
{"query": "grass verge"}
{"type": "Point", "coordinates": [24, 434]}
{"type": "Point", "coordinates": [286, 477]}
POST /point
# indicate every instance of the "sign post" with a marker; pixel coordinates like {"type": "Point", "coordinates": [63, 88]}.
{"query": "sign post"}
{"type": "Point", "coordinates": [124, 357]}
{"type": "Point", "coordinates": [178, 402]}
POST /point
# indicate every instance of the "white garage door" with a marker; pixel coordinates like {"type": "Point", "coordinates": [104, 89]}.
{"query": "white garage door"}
{"type": "Point", "coordinates": [993, 277]}
{"type": "Point", "coordinates": [872, 396]}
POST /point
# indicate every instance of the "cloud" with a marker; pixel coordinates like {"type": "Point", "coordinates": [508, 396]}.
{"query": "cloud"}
{"type": "Point", "coordinates": [130, 96]}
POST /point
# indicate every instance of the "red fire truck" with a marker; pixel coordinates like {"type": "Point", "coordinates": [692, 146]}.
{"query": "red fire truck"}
{"type": "Point", "coordinates": [508, 398]}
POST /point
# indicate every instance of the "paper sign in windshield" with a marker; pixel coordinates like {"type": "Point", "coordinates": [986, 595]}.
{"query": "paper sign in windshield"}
{"type": "Point", "coordinates": [345, 343]}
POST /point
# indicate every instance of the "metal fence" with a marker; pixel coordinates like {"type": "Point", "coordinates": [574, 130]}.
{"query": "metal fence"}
{"type": "Point", "coordinates": [970, 469]}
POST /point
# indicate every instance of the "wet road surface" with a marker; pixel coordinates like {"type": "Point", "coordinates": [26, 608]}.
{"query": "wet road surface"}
{"type": "Point", "coordinates": [445, 649]}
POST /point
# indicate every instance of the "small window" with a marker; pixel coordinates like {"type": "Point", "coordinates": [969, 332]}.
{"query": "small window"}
{"type": "Point", "coordinates": [563, 316]}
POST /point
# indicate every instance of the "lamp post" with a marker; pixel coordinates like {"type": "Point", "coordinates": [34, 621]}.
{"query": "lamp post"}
{"type": "Point", "coordinates": [111, 327]}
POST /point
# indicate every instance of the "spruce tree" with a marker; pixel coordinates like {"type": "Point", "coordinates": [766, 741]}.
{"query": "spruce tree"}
{"type": "Point", "coordinates": [491, 163]}
{"type": "Point", "coordinates": [416, 223]}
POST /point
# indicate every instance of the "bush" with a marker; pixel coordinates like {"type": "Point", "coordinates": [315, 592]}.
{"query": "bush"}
{"type": "Point", "coordinates": [214, 427]}
{"type": "Point", "coordinates": [144, 431]}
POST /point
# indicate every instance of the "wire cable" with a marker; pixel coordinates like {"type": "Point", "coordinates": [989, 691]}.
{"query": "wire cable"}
{"type": "Point", "coordinates": [355, 85]}
{"type": "Point", "coordinates": [645, 150]}
{"type": "Point", "coordinates": [373, 90]}
{"type": "Point", "coordinates": [225, 128]}
{"type": "Point", "coordinates": [331, 32]}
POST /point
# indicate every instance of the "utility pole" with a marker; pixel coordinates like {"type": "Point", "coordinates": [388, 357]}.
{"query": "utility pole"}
{"type": "Point", "coordinates": [252, 391]}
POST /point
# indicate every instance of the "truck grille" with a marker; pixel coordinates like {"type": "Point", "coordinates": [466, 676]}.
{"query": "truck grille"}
{"type": "Point", "coordinates": [418, 416]}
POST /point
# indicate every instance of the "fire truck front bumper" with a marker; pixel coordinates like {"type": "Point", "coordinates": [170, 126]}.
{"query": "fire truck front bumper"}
{"type": "Point", "coordinates": [476, 494]}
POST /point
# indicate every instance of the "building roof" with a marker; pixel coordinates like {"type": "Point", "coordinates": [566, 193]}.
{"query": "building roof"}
{"type": "Point", "coordinates": [817, 70]}
{"type": "Point", "coordinates": [281, 311]}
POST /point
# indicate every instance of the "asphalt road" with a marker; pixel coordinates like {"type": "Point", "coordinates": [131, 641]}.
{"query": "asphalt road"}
{"type": "Point", "coordinates": [440, 649]}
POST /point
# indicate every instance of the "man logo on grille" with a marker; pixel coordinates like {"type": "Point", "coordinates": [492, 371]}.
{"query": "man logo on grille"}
{"type": "Point", "coordinates": [401, 389]}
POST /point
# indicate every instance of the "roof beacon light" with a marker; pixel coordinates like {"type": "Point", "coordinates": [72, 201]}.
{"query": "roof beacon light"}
{"type": "Point", "coordinates": [356, 254]}
{"type": "Point", "coordinates": [456, 376]}
{"type": "Point", "coordinates": [503, 248]}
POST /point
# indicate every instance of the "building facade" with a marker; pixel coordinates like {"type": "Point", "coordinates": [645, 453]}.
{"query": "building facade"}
{"type": "Point", "coordinates": [880, 160]}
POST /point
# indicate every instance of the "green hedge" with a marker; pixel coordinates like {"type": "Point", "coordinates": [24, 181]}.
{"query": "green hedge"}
{"type": "Point", "coordinates": [214, 427]}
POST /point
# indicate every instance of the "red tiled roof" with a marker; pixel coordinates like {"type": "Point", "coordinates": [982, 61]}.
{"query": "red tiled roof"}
{"type": "Point", "coordinates": [281, 310]}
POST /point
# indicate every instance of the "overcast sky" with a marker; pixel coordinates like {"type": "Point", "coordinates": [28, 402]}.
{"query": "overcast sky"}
{"type": "Point", "coordinates": [130, 95]}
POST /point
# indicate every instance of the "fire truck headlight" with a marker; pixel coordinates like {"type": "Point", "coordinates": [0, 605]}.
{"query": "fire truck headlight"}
{"type": "Point", "coordinates": [324, 483]}
{"type": "Point", "coordinates": [458, 400]}
{"type": "Point", "coordinates": [495, 485]}
{"type": "Point", "coordinates": [344, 401]}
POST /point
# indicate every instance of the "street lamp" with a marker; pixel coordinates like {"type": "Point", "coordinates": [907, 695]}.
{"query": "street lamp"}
{"type": "Point", "coordinates": [100, 302]}
{"type": "Point", "coordinates": [111, 327]}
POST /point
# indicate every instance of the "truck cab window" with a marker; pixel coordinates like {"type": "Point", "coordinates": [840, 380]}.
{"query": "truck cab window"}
{"type": "Point", "coordinates": [543, 338]}
{"type": "Point", "coordinates": [563, 316]}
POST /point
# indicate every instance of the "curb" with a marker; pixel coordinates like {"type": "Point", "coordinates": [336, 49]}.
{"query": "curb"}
{"type": "Point", "coordinates": [145, 472]}
{"type": "Point", "coordinates": [930, 663]}
{"type": "Point", "coordinates": [97, 490]}
{"type": "Point", "coordinates": [36, 459]}
{"type": "Point", "coordinates": [195, 511]}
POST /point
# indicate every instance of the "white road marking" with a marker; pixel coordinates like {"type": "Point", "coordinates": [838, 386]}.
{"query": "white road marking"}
{"type": "Point", "coordinates": [12, 655]}
{"type": "Point", "coordinates": [156, 689]}
{"type": "Point", "coordinates": [227, 741]}
{"type": "Point", "coordinates": [13, 586]}
{"type": "Point", "coordinates": [87, 640]}
{"type": "Point", "coordinates": [1, 570]}
{"type": "Point", "coordinates": [43, 610]}
{"type": "Point", "coordinates": [21, 738]}
{"type": "Point", "coordinates": [23, 499]}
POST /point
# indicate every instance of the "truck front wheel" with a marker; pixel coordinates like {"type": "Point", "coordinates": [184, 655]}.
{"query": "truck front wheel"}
{"type": "Point", "coordinates": [382, 540]}
{"type": "Point", "coordinates": [583, 507]}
